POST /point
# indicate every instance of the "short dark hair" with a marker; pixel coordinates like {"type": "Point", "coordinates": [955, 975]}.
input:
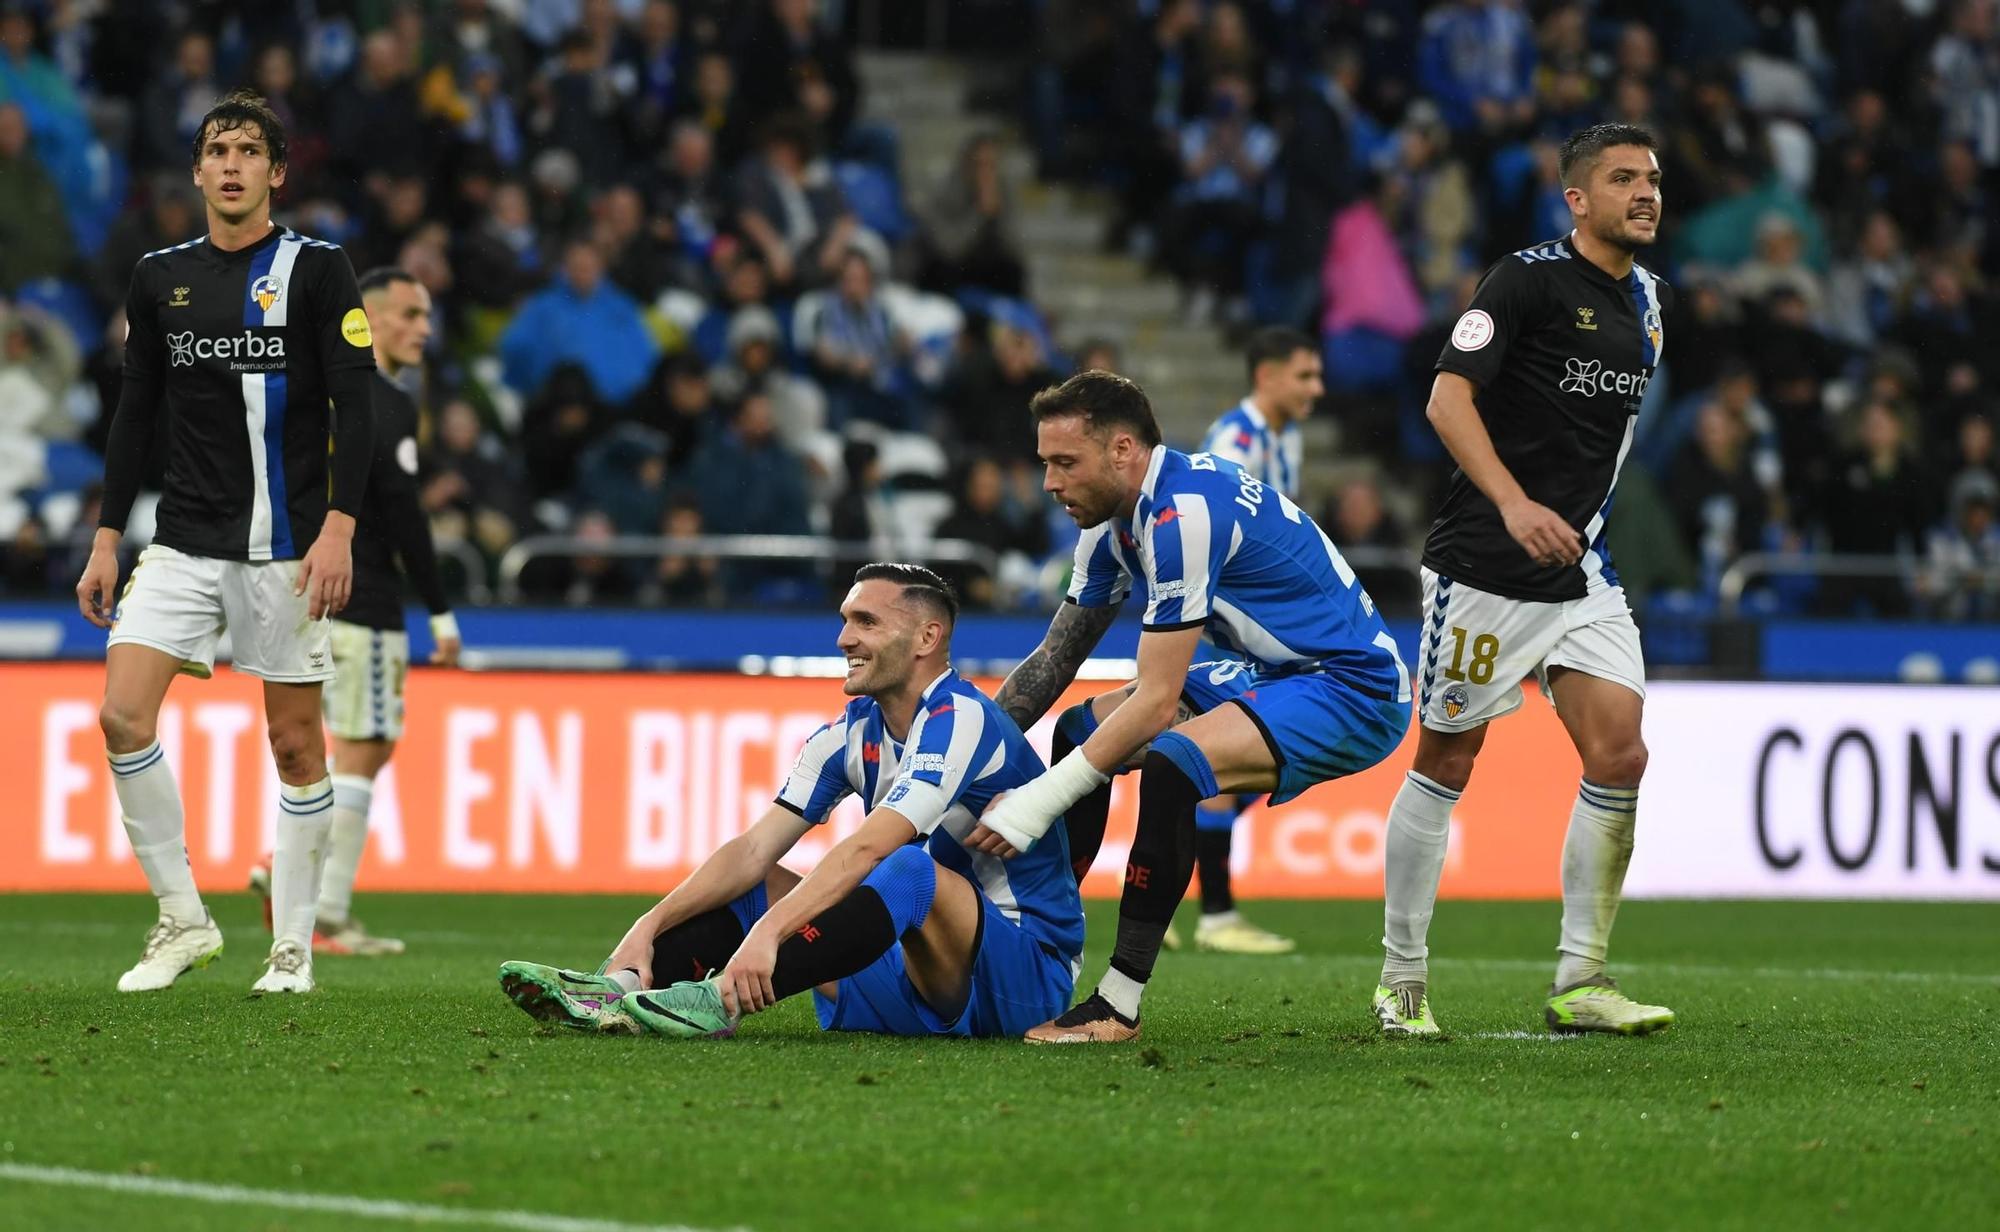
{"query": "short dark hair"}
{"type": "Point", "coordinates": [384, 275]}
{"type": "Point", "coordinates": [1581, 152]}
{"type": "Point", "coordinates": [238, 109]}
{"type": "Point", "coordinates": [1104, 399]}
{"type": "Point", "coordinates": [919, 584]}
{"type": "Point", "coordinates": [1275, 342]}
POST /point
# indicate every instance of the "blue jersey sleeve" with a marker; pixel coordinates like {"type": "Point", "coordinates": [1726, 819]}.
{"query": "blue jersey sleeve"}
{"type": "Point", "coordinates": [1099, 578]}
{"type": "Point", "coordinates": [819, 778]}
{"type": "Point", "coordinates": [947, 743]}
{"type": "Point", "coordinates": [1184, 548]}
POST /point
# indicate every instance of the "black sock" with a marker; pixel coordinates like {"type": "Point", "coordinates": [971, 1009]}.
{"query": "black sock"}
{"type": "Point", "coordinates": [1161, 864]}
{"type": "Point", "coordinates": [836, 943]}
{"type": "Point", "coordinates": [1211, 857]}
{"type": "Point", "coordinates": [689, 951]}
{"type": "Point", "coordinates": [1086, 819]}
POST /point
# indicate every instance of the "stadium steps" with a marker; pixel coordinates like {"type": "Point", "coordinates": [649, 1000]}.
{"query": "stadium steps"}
{"type": "Point", "coordinates": [1191, 373]}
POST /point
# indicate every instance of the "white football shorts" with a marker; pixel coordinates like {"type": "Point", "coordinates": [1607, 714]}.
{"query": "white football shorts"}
{"type": "Point", "coordinates": [365, 700]}
{"type": "Point", "coordinates": [181, 605]}
{"type": "Point", "coordinates": [1477, 647]}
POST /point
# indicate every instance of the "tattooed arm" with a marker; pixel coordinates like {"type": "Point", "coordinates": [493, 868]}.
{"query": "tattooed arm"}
{"type": "Point", "coordinates": [1034, 686]}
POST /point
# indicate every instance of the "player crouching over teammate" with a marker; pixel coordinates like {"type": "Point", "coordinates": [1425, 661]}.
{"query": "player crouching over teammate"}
{"type": "Point", "coordinates": [1211, 550]}
{"type": "Point", "coordinates": [901, 929]}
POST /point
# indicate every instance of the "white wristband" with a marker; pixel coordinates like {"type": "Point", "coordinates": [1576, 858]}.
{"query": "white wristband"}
{"type": "Point", "coordinates": [444, 627]}
{"type": "Point", "coordinates": [1030, 809]}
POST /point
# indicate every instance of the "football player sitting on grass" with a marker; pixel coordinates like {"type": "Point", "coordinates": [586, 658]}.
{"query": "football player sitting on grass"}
{"type": "Point", "coordinates": [900, 929]}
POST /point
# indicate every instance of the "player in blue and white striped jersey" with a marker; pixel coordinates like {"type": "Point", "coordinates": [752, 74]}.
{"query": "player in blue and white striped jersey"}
{"type": "Point", "coordinates": [1213, 551]}
{"type": "Point", "coordinates": [901, 929]}
{"type": "Point", "coordinates": [1262, 435]}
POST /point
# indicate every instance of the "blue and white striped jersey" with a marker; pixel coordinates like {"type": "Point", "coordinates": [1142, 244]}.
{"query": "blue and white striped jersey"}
{"type": "Point", "coordinates": [1211, 545]}
{"type": "Point", "coordinates": [1244, 436]}
{"type": "Point", "coordinates": [961, 751]}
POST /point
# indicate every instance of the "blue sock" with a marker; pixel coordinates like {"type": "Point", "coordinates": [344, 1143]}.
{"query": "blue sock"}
{"type": "Point", "coordinates": [907, 881]}
{"type": "Point", "coordinates": [1076, 724]}
{"type": "Point", "coordinates": [1187, 755]}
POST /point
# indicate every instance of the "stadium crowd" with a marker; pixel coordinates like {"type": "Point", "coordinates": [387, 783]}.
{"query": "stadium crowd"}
{"type": "Point", "coordinates": [683, 289]}
{"type": "Point", "coordinates": [1830, 180]}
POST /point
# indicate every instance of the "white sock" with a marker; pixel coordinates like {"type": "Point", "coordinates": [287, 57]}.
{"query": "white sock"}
{"type": "Point", "coordinates": [345, 842]}
{"type": "Point", "coordinates": [625, 978]}
{"type": "Point", "coordinates": [305, 814]}
{"type": "Point", "coordinates": [1412, 862]}
{"type": "Point", "coordinates": [1122, 991]}
{"type": "Point", "coordinates": [1216, 919]}
{"type": "Point", "coordinates": [150, 803]}
{"type": "Point", "coordinates": [1595, 854]}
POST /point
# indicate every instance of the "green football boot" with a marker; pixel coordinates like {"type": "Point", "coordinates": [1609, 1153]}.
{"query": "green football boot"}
{"type": "Point", "coordinates": [1597, 1005]}
{"type": "Point", "coordinates": [582, 1001]}
{"type": "Point", "coordinates": [689, 1010]}
{"type": "Point", "coordinates": [1404, 1009]}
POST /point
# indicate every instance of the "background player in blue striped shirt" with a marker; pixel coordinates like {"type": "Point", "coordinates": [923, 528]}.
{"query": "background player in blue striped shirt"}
{"type": "Point", "coordinates": [1212, 550]}
{"type": "Point", "coordinates": [900, 929]}
{"type": "Point", "coordinates": [1262, 435]}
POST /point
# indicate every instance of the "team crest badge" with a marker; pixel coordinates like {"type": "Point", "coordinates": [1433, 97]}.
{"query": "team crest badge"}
{"type": "Point", "coordinates": [1653, 332]}
{"type": "Point", "coordinates": [266, 291]}
{"type": "Point", "coordinates": [1455, 701]}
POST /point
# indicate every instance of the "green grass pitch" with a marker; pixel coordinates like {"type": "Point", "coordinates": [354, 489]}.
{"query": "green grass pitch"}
{"type": "Point", "coordinates": [1835, 1064]}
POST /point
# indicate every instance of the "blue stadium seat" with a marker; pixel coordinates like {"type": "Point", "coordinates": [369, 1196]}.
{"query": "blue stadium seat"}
{"type": "Point", "coordinates": [1015, 314]}
{"type": "Point", "coordinates": [69, 303]}
{"type": "Point", "coordinates": [875, 197]}
{"type": "Point", "coordinates": [72, 466]}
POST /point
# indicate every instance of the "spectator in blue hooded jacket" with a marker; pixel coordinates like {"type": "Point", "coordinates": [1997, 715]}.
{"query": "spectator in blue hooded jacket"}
{"type": "Point", "coordinates": [580, 318]}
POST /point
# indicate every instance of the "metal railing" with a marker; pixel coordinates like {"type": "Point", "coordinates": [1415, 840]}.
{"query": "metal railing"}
{"type": "Point", "coordinates": [473, 565]}
{"type": "Point", "coordinates": [722, 547]}
{"type": "Point", "coordinates": [1737, 578]}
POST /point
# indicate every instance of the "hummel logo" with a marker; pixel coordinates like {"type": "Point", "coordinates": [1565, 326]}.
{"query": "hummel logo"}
{"type": "Point", "coordinates": [1167, 515]}
{"type": "Point", "coordinates": [182, 348]}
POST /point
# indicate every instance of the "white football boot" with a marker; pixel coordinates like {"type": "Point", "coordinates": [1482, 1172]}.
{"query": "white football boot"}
{"type": "Point", "coordinates": [173, 947]}
{"type": "Point", "coordinates": [289, 969]}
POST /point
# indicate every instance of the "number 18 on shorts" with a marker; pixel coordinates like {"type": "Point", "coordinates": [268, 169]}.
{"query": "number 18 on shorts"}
{"type": "Point", "coordinates": [1477, 647]}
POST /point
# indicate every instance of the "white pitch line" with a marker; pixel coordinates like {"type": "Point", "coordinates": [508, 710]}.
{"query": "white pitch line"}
{"type": "Point", "coordinates": [1544, 1037]}
{"type": "Point", "coordinates": [334, 1204]}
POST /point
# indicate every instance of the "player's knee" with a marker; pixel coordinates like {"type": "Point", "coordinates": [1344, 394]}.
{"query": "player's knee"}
{"type": "Point", "coordinates": [1618, 765]}
{"type": "Point", "coordinates": [126, 729]}
{"type": "Point", "coordinates": [906, 882]}
{"type": "Point", "coordinates": [1450, 769]}
{"type": "Point", "coordinates": [298, 750]}
{"type": "Point", "coordinates": [1447, 758]}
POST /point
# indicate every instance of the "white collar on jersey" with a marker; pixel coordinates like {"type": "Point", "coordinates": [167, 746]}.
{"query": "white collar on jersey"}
{"type": "Point", "coordinates": [1153, 470]}
{"type": "Point", "coordinates": [943, 676]}
{"type": "Point", "coordinates": [1249, 407]}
